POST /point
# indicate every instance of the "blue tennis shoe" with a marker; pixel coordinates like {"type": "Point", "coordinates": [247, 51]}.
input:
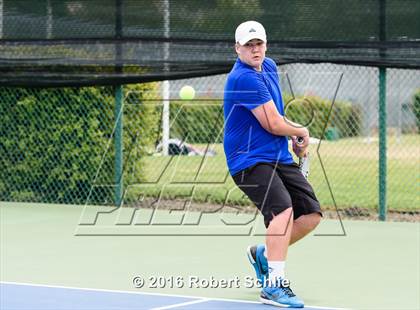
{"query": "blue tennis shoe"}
{"type": "Point", "coordinates": [280, 296]}
{"type": "Point", "coordinates": [257, 259]}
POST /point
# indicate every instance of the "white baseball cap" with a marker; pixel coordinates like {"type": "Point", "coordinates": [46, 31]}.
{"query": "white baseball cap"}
{"type": "Point", "coordinates": [250, 30]}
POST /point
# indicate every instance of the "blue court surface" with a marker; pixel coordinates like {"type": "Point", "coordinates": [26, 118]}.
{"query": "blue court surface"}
{"type": "Point", "coordinates": [19, 296]}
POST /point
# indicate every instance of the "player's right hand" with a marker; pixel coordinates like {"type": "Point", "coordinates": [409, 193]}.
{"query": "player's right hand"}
{"type": "Point", "coordinates": [300, 147]}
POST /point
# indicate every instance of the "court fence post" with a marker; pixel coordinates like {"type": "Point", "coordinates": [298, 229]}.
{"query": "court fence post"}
{"type": "Point", "coordinates": [382, 115]}
{"type": "Point", "coordinates": [118, 143]}
{"type": "Point", "coordinates": [382, 144]}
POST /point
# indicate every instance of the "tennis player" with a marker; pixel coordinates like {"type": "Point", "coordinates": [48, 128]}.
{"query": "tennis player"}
{"type": "Point", "coordinates": [256, 146]}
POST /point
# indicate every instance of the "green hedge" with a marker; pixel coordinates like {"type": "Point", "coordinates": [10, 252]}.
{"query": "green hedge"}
{"type": "Point", "coordinates": [55, 141]}
{"type": "Point", "coordinates": [197, 121]}
{"type": "Point", "coordinates": [345, 118]}
{"type": "Point", "coordinates": [201, 121]}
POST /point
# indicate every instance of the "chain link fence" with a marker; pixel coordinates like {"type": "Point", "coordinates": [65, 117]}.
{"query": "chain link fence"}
{"type": "Point", "coordinates": [77, 146]}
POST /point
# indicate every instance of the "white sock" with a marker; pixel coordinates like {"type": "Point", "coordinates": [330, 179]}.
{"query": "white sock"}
{"type": "Point", "coordinates": [276, 270]}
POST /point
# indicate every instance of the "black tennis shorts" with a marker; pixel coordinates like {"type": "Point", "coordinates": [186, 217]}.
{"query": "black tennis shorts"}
{"type": "Point", "coordinates": [275, 187]}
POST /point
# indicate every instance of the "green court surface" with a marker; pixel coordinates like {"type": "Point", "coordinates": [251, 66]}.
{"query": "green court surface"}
{"type": "Point", "coordinates": [368, 265]}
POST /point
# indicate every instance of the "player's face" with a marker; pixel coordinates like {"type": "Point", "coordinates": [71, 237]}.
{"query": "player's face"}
{"type": "Point", "coordinates": [252, 53]}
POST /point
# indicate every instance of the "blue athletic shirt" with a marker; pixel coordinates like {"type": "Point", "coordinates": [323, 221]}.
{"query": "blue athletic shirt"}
{"type": "Point", "coordinates": [246, 142]}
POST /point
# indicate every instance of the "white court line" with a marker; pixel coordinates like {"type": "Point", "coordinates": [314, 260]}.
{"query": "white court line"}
{"type": "Point", "coordinates": [181, 304]}
{"type": "Point", "coordinates": [155, 294]}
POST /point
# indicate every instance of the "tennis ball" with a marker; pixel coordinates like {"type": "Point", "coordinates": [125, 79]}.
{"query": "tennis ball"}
{"type": "Point", "coordinates": [187, 92]}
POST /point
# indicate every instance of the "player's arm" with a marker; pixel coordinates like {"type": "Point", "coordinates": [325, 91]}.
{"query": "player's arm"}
{"type": "Point", "coordinates": [271, 120]}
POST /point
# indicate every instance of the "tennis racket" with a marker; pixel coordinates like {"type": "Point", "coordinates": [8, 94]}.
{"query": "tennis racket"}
{"type": "Point", "coordinates": [303, 161]}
